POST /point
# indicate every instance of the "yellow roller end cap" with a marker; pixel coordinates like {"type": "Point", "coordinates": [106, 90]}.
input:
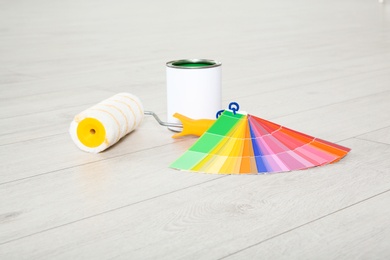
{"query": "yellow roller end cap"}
{"type": "Point", "coordinates": [91, 132]}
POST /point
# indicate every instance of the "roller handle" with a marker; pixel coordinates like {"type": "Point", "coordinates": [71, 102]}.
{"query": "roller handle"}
{"type": "Point", "coordinates": [192, 126]}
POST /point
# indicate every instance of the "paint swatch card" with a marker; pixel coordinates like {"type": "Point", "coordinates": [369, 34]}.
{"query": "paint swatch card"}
{"type": "Point", "coordinates": [244, 144]}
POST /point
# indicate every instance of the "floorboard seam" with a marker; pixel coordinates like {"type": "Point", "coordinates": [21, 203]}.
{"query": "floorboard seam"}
{"type": "Point", "coordinates": [316, 82]}
{"type": "Point", "coordinates": [75, 166]}
{"type": "Point", "coordinates": [307, 223]}
{"type": "Point", "coordinates": [32, 139]}
{"type": "Point", "coordinates": [332, 104]}
{"type": "Point", "coordinates": [372, 141]}
{"type": "Point", "coordinates": [112, 210]}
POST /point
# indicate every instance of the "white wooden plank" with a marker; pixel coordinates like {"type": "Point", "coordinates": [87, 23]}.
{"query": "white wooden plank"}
{"type": "Point", "coordinates": [381, 135]}
{"type": "Point", "coordinates": [210, 221]}
{"type": "Point", "coordinates": [125, 78]}
{"type": "Point", "coordinates": [51, 101]}
{"type": "Point", "coordinates": [358, 232]}
{"type": "Point", "coordinates": [252, 78]}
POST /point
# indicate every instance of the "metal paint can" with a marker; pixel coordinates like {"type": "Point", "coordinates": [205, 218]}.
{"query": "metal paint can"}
{"type": "Point", "coordinates": [193, 89]}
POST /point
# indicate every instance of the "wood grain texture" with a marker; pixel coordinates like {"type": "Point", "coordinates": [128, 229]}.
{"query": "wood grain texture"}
{"type": "Point", "coordinates": [320, 67]}
{"type": "Point", "coordinates": [366, 223]}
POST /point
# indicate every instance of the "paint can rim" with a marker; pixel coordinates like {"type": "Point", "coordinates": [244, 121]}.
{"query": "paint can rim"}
{"type": "Point", "coordinates": [193, 64]}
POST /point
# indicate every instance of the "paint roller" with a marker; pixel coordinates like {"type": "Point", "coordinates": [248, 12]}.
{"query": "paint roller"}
{"type": "Point", "coordinates": [104, 124]}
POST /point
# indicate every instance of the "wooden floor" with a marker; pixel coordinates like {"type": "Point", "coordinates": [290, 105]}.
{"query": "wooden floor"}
{"type": "Point", "coordinates": [320, 67]}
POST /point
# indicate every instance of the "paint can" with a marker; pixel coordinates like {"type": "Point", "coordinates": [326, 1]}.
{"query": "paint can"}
{"type": "Point", "coordinates": [193, 89]}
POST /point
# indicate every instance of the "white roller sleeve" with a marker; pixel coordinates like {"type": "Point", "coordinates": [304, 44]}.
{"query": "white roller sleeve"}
{"type": "Point", "coordinates": [118, 115]}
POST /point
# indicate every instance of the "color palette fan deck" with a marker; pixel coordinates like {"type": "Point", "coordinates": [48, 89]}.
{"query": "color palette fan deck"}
{"type": "Point", "coordinates": [239, 143]}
